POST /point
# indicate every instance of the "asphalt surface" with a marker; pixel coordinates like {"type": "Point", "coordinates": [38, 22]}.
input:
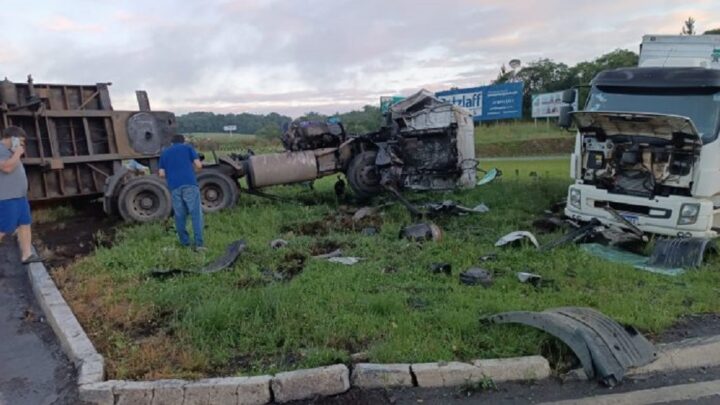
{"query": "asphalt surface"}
{"type": "Point", "coordinates": [33, 368]}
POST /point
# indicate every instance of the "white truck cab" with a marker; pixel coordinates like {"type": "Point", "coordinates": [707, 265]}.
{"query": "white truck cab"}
{"type": "Point", "coordinates": [647, 153]}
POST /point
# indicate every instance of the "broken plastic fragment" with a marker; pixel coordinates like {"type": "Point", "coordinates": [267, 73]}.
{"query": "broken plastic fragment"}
{"type": "Point", "coordinates": [489, 176]}
{"type": "Point", "coordinates": [348, 261]}
{"type": "Point", "coordinates": [514, 239]}
{"type": "Point", "coordinates": [421, 232]}
{"type": "Point", "coordinates": [530, 278]}
{"type": "Point", "coordinates": [475, 276]}
{"type": "Point", "coordinates": [278, 243]}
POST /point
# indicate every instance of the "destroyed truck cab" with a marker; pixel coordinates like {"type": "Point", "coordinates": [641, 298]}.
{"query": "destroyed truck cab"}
{"type": "Point", "coordinates": [425, 144]}
{"type": "Point", "coordinates": [647, 154]}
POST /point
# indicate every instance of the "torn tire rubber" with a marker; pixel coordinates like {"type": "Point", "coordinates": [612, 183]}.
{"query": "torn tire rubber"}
{"type": "Point", "coordinates": [363, 176]}
{"type": "Point", "coordinates": [144, 199]}
{"type": "Point", "coordinates": [217, 191]}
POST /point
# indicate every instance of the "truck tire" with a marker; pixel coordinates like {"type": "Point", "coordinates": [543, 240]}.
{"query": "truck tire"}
{"type": "Point", "coordinates": [144, 199]}
{"type": "Point", "coordinates": [363, 176]}
{"type": "Point", "coordinates": [217, 191]}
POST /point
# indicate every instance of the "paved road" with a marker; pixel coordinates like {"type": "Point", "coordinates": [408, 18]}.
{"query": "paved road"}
{"type": "Point", "coordinates": [33, 368]}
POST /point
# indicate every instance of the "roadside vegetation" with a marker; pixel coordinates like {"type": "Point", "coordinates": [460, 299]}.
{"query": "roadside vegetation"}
{"type": "Point", "coordinates": [283, 309]}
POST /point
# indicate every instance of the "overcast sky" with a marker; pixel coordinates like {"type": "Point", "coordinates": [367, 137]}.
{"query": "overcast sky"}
{"type": "Point", "coordinates": [293, 56]}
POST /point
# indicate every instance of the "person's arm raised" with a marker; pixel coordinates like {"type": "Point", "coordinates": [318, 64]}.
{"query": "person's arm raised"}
{"type": "Point", "coordinates": [8, 166]}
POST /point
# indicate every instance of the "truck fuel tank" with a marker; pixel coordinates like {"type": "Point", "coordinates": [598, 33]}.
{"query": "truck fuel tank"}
{"type": "Point", "coordinates": [282, 168]}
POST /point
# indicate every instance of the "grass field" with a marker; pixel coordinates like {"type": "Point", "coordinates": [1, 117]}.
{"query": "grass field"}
{"type": "Point", "coordinates": [518, 132]}
{"type": "Point", "coordinates": [248, 320]}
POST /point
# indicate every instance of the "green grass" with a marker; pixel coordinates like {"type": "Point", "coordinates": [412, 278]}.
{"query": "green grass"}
{"type": "Point", "coordinates": [518, 132]}
{"type": "Point", "coordinates": [389, 305]}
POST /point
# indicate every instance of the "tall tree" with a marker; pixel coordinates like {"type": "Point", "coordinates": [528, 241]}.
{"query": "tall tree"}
{"type": "Point", "coordinates": [688, 27]}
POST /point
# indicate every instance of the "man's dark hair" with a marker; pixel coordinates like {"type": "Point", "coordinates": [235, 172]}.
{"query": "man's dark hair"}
{"type": "Point", "coordinates": [13, 131]}
{"type": "Point", "coordinates": [178, 138]}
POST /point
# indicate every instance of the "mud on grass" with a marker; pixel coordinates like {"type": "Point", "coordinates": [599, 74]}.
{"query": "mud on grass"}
{"type": "Point", "coordinates": [389, 305]}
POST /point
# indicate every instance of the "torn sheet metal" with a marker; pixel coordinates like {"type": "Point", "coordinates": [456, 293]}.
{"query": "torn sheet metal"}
{"type": "Point", "coordinates": [514, 238]}
{"type": "Point", "coordinates": [639, 262]}
{"type": "Point", "coordinates": [605, 348]}
{"type": "Point", "coordinates": [575, 235]}
{"type": "Point", "coordinates": [346, 260]}
{"type": "Point", "coordinates": [225, 261]}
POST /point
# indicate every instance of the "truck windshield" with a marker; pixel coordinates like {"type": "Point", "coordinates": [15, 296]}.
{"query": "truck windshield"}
{"type": "Point", "coordinates": [702, 107]}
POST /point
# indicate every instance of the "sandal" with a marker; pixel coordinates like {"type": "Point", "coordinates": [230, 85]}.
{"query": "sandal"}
{"type": "Point", "coordinates": [33, 258]}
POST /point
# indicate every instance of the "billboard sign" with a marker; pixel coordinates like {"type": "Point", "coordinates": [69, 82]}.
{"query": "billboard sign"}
{"type": "Point", "coordinates": [548, 104]}
{"type": "Point", "coordinates": [487, 103]}
{"type": "Point", "coordinates": [230, 128]}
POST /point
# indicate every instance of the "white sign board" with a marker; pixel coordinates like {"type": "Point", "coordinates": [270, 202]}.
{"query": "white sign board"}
{"type": "Point", "coordinates": [548, 104]}
{"type": "Point", "coordinates": [230, 128]}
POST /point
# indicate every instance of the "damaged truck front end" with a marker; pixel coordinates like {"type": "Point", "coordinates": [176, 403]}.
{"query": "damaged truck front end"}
{"type": "Point", "coordinates": [424, 144]}
{"type": "Point", "coordinates": [647, 155]}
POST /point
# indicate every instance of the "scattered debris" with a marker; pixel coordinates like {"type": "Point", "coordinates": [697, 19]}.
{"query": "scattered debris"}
{"type": "Point", "coordinates": [490, 176]}
{"type": "Point", "coordinates": [348, 261]}
{"type": "Point", "coordinates": [363, 213]}
{"type": "Point", "coordinates": [334, 253]}
{"type": "Point", "coordinates": [489, 257]}
{"type": "Point", "coordinates": [615, 255]}
{"type": "Point", "coordinates": [681, 252]}
{"type": "Point", "coordinates": [441, 268]}
{"type": "Point", "coordinates": [452, 207]}
{"type": "Point", "coordinates": [575, 235]}
{"type": "Point", "coordinates": [475, 276]}
{"type": "Point", "coordinates": [421, 232]}
{"type": "Point", "coordinates": [531, 278]}
{"type": "Point", "coordinates": [605, 348]}
{"type": "Point", "coordinates": [548, 224]}
{"type": "Point", "coordinates": [369, 231]}
{"type": "Point", "coordinates": [225, 261]}
{"type": "Point", "coordinates": [278, 243]}
{"type": "Point", "coordinates": [516, 238]}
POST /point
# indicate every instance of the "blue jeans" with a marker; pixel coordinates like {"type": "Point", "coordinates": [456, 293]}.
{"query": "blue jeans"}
{"type": "Point", "coordinates": [186, 200]}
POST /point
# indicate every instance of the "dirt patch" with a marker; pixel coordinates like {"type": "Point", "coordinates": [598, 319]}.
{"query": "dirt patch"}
{"type": "Point", "coordinates": [536, 147]}
{"type": "Point", "coordinates": [340, 221]}
{"type": "Point", "coordinates": [292, 265]}
{"type": "Point", "coordinates": [65, 241]}
{"type": "Point", "coordinates": [691, 326]}
{"type": "Point", "coordinates": [326, 246]}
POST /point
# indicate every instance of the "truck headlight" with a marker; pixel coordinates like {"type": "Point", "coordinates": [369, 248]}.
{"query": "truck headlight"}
{"type": "Point", "coordinates": [575, 198]}
{"type": "Point", "coordinates": [689, 214]}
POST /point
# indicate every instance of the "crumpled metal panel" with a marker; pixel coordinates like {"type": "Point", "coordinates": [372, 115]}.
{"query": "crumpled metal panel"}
{"type": "Point", "coordinates": [605, 348]}
{"type": "Point", "coordinates": [223, 262]}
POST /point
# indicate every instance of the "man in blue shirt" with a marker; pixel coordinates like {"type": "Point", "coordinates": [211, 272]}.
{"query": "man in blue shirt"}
{"type": "Point", "coordinates": [178, 165]}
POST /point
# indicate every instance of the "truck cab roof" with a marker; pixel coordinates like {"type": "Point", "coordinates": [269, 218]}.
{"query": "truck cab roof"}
{"type": "Point", "coordinates": [660, 78]}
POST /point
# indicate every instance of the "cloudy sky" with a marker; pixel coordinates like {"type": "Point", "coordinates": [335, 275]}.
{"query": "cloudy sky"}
{"type": "Point", "coordinates": [293, 56]}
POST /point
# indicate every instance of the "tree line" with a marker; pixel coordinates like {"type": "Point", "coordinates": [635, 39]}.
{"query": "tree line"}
{"type": "Point", "coordinates": [539, 76]}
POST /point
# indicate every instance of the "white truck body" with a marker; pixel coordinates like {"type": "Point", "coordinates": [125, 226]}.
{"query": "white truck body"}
{"type": "Point", "coordinates": [647, 146]}
{"type": "Point", "coordinates": [680, 51]}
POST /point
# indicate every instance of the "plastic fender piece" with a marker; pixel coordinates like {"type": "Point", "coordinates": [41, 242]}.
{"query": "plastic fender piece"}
{"type": "Point", "coordinates": [605, 348]}
{"type": "Point", "coordinates": [223, 262]}
{"type": "Point", "coordinates": [680, 252]}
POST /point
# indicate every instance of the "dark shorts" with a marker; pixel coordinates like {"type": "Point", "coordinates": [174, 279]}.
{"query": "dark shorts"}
{"type": "Point", "coordinates": [14, 213]}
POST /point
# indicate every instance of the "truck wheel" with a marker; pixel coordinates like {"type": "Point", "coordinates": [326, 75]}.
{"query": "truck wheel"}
{"type": "Point", "coordinates": [144, 199]}
{"type": "Point", "coordinates": [217, 191]}
{"type": "Point", "coordinates": [363, 176]}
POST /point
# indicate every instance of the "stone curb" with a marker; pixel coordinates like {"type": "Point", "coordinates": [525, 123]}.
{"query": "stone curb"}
{"type": "Point", "coordinates": [310, 383]}
{"type": "Point", "coordinates": [72, 337]}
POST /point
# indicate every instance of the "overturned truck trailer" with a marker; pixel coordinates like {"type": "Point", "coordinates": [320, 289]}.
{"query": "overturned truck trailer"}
{"type": "Point", "coordinates": [424, 144]}
{"type": "Point", "coordinates": [76, 145]}
{"type": "Point", "coordinates": [79, 148]}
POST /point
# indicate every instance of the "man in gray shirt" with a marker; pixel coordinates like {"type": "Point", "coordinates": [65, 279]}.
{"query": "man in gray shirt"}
{"type": "Point", "coordinates": [14, 205]}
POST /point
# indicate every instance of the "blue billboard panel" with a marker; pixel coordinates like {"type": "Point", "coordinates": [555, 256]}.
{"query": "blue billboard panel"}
{"type": "Point", "coordinates": [487, 103]}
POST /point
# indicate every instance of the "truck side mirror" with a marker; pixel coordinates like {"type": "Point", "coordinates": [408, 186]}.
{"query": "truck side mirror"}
{"type": "Point", "coordinates": [568, 96]}
{"type": "Point", "coordinates": [564, 120]}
